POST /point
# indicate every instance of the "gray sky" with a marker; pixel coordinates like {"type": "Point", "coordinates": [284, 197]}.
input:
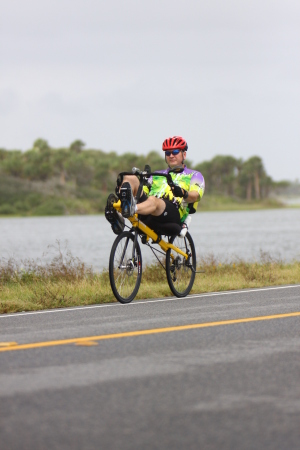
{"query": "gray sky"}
{"type": "Point", "coordinates": [125, 74]}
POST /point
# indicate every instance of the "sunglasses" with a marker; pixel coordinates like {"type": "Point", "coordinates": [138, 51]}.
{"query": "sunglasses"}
{"type": "Point", "coordinates": [173, 152]}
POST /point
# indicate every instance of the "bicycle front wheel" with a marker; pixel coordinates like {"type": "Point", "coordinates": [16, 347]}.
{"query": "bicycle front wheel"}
{"type": "Point", "coordinates": [181, 271]}
{"type": "Point", "coordinates": [125, 267]}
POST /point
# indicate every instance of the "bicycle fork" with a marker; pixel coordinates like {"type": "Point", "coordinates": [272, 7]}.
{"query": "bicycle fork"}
{"type": "Point", "coordinates": [134, 261]}
{"type": "Point", "coordinates": [135, 256]}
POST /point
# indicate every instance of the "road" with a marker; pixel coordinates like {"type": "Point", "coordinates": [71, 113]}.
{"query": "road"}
{"type": "Point", "coordinates": [212, 371]}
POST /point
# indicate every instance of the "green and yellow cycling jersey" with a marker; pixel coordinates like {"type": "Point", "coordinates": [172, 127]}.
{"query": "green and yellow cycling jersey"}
{"type": "Point", "coordinates": [188, 179]}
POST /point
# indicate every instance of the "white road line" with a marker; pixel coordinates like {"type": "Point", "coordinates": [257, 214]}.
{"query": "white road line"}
{"type": "Point", "coordinates": [138, 302]}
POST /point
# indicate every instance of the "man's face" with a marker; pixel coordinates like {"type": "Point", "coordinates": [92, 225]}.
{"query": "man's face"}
{"type": "Point", "coordinates": [175, 160]}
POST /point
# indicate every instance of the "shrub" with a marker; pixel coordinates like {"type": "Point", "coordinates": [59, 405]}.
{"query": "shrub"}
{"type": "Point", "coordinates": [51, 207]}
{"type": "Point", "coordinates": [7, 209]}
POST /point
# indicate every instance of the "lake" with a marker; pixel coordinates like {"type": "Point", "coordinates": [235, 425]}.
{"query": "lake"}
{"type": "Point", "coordinates": [226, 235]}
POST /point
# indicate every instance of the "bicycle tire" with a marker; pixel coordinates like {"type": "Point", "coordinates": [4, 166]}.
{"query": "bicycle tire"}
{"type": "Point", "coordinates": [125, 274]}
{"type": "Point", "coordinates": [181, 272]}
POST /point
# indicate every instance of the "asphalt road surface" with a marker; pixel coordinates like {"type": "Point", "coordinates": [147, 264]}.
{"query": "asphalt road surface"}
{"type": "Point", "coordinates": [215, 371]}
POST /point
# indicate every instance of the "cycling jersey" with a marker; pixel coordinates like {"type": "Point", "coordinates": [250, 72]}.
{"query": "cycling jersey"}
{"type": "Point", "coordinates": [188, 179]}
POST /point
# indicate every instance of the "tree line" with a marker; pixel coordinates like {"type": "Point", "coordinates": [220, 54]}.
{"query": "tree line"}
{"type": "Point", "coordinates": [78, 173]}
{"type": "Point", "coordinates": [234, 177]}
{"type": "Point", "coordinates": [93, 168]}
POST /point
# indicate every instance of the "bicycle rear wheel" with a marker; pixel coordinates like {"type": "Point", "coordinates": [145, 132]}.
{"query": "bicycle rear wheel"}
{"type": "Point", "coordinates": [125, 267]}
{"type": "Point", "coordinates": [181, 272]}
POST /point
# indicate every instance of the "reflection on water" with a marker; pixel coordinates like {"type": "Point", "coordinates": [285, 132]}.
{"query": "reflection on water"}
{"type": "Point", "coordinates": [242, 234]}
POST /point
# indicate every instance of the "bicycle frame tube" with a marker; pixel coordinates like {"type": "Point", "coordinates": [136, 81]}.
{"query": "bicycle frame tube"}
{"type": "Point", "coordinates": [134, 246]}
{"type": "Point", "coordinates": [136, 223]}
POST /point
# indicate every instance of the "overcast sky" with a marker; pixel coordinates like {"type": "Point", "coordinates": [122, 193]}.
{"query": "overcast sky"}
{"type": "Point", "coordinates": [125, 74]}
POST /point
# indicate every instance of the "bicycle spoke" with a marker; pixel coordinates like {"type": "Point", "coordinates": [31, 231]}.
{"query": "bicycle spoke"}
{"type": "Point", "coordinates": [125, 267]}
{"type": "Point", "coordinates": [179, 269]}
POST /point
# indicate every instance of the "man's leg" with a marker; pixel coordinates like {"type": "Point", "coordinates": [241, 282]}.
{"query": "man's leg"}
{"type": "Point", "coordinates": [153, 205]}
{"type": "Point", "coordinates": [133, 181]}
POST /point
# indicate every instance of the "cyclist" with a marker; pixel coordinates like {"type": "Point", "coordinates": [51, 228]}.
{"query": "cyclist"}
{"type": "Point", "coordinates": [159, 203]}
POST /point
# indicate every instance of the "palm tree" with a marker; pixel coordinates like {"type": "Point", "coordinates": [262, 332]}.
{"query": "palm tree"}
{"type": "Point", "coordinates": [251, 174]}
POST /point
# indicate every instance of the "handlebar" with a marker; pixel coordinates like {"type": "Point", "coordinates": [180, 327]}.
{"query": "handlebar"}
{"type": "Point", "coordinates": [146, 173]}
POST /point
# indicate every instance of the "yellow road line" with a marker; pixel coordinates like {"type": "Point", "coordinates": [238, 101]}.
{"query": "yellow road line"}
{"type": "Point", "coordinates": [7, 344]}
{"type": "Point", "coordinates": [146, 332]}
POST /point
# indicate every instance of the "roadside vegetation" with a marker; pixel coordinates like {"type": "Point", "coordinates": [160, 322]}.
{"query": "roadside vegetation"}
{"type": "Point", "coordinates": [44, 181]}
{"type": "Point", "coordinates": [66, 281]}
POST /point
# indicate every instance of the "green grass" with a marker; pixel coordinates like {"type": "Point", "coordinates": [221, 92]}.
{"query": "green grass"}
{"type": "Point", "coordinates": [66, 281]}
{"type": "Point", "coordinates": [226, 203]}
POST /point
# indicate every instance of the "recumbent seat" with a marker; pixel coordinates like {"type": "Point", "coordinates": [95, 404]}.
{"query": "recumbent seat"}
{"type": "Point", "coordinates": [166, 229]}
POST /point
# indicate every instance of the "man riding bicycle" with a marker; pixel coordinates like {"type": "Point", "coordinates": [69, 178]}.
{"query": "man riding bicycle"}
{"type": "Point", "coordinates": [159, 203]}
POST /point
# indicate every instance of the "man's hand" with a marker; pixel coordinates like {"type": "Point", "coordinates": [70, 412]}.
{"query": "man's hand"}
{"type": "Point", "coordinates": [178, 191]}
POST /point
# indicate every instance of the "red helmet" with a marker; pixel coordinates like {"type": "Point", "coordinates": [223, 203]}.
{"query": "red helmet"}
{"type": "Point", "coordinates": [175, 142]}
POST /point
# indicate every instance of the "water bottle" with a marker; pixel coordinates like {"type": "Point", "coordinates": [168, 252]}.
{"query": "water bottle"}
{"type": "Point", "coordinates": [185, 226]}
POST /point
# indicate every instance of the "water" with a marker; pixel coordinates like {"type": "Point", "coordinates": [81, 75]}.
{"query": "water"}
{"type": "Point", "coordinates": [243, 234]}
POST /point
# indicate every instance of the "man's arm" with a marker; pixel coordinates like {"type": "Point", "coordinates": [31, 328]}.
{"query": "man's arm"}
{"type": "Point", "coordinates": [188, 196]}
{"type": "Point", "coordinates": [193, 196]}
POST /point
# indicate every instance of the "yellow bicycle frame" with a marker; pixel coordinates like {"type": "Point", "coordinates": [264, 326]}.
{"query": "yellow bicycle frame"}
{"type": "Point", "coordinates": [136, 223]}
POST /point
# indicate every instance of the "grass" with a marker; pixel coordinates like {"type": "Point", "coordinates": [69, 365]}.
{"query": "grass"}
{"type": "Point", "coordinates": [226, 203]}
{"type": "Point", "coordinates": [66, 281]}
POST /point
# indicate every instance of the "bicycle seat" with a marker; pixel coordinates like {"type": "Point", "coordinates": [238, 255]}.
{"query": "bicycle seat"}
{"type": "Point", "coordinates": [166, 229]}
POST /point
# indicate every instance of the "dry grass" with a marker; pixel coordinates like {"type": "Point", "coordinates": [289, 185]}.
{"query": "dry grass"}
{"type": "Point", "coordinates": [66, 281]}
{"type": "Point", "coordinates": [239, 274]}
